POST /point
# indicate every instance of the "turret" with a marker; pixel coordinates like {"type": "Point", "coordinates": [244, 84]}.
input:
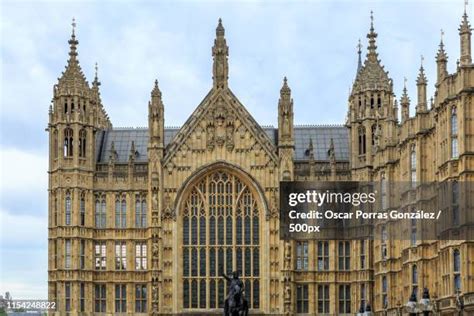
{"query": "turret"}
{"type": "Point", "coordinates": [441, 61]}
{"type": "Point", "coordinates": [156, 119]}
{"type": "Point", "coordinates": [465, 40]}
{"type": "Point", "coordinates": [421, 83]}
{"type": "Point", "coordinates": [405, 103]}
{"type": "Point", "coordinates": [286, 140]}
{"type": "Point", "coordinates": [220, 51]}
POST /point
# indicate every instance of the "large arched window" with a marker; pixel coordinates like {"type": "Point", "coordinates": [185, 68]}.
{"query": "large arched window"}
{"type": "Point", "coordinates": [68, 142]}
{"type": "Point", "coordinates": [120, 211]}
{"type": "Point", "coordinates": [100, 211]}
{"type": "Point", "coordinates": [220, 235]}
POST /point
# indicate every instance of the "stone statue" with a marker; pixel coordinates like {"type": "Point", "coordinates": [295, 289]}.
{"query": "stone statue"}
{"type": "Point", "coordinates": [235, 303]}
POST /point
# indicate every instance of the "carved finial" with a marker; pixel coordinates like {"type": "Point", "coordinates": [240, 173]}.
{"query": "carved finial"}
{"type": "Point", "coordinates": [442, 35]}
{"type": "Point", "coordinates": [285, 89]}
{"type": "Point", "coordinates": [405, 80]}
{"type": "Point", "coordinates": [466, 3]}
{"type": "Point", "coordinates": [156, 90]}
{"type": "Point", "coordinates": [73, 25]}
{"type": "Point", "coordinates": [422, 58]}
{"type": "Point", "coordinates": [96, 81]}
{"type": "Point", "coordinates": [359, 52]}
{"type": "Point", "coordinates": [372, 36]}
{"type": "Point", "coordinates": [73, 42]}
{"type": "Point", "coordinates": [220, 51]}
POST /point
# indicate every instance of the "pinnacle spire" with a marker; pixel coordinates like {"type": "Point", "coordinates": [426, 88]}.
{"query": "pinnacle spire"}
{"type": "Point", "coordinates": [421, 76]}
{"type": "Point", "coordinates": [96, 82]}
{"type": "Point", "coordinates": [220, 51]}
{"type": "Point", "coordinates": [359, 52]}
{"type": "Point", "coordinates": [73, 41]}
{"type": "Point", "coordinates": [441, 55]}
{"type": "Point", "coordinates": [405, 99]}
{"type": "Point", "coordinates": [285, 89]}
{"type": "Point", "coordinates": [465, 27]}
{"type": "Point", "coordinates": [372, 35]}
{"type": "Point", "coordinates": [156, 90]}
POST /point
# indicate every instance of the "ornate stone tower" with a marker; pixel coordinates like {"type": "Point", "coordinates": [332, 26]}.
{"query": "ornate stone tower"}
{"type": "Point", "coordinates": [74, 116]}
{"type": "Point", "coordinates": [372, 115]}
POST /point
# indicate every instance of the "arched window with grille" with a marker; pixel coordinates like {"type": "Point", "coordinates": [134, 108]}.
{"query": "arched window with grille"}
{"type": "Point", "coordinates": [221, 234]}
{"type": "Point", "coordinates": [414, 279]}
{"type": "Point", "coordinates": [68, 205]}
{"type": "Point", "coordinates": [140, 211]}
{"type": "Point", "coordinates": [120, 211]}
{"type": "Point", "coordinates": [82, 143]}
{"type": "Point", "coordinates": [454, 133]}
{"type": "Point", "coordinates": [68, 142]}
{"type": "Point", "coordinates": [100, 211]}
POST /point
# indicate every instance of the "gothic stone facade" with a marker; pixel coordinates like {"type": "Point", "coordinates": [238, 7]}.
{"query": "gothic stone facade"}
{"type": "Point", "coordinates": [146, 220]}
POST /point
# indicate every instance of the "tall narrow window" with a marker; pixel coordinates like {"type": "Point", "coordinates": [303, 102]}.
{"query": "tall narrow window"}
{"type": "Point", "coordinates": [55, 210]}
{"type": "Point", "coordinates": [455, 202]}
{"type": "Point", "coordinates": [55, 143]}
{"type": "Point", "coordinates": [67, 257]}
{"type": "Point", "coordinates": [82, 143]}
{"type": "Point", "coordinates": [362, 140]}
{"type": "Point", "coordinates": [67, 296]}
{"type": "Point", "coordinates": [140, 298]}
{"type": "Point", "coordinates": [68, 205]}
{"type": "Point", "coordinates": [100, 298]}
{"type": "Point", "coordinates": [323, 298]}
{"type": "Point", "coordinates": [140, 256]}
{"type": "Point", "coordinates": [100, 211]}
{"type": "Point", "coordinates": [140, 211]}
{"type": "Point", "coordinates": [457, 270]}
{"type": "Point", "coordinates": [454, 133]}
{"type": "Point", "coordinates": [221, 234]}
{"type": "Point", "coordinates": [344, 255]}
{"type": "Point", "coordinates": [82, 254]}
{"type": "Point", "coordinates": [302, 299]}
{"type": "Point", "coordinates": [100, 255]}
{"type": "Point", "coordinates": [384, 292]}
{"type": "Point", "coordinates": [120, 298]}
{"type": "Point", "coordinates": [413, 166]}
{"type": "Point", "coordinates": [383, 246]}
{"type": "Point", "coordinates": [68, 142]}
{"type": "Point", "coordinates": [302, 255]}
{"type": "Point", "coordinates": [414, 280]}
{"type": "Point", "coordinates": [82, 297]}
{"type": "Point", "coordinates": [120, 211]}
{"type": "Point", "coordinates": [363, 296]}
{"type": "Point", "coordinates": [120, 255]}
{"type": "Point", "coordinates": [82, 210]}
{"type": "Point", "coordinates": [414, 232]}
{"type": "Point", "coordinates": [345, 299]}
{"type": "Point", "coordinates": [363, 255]}
{"type": "Point", "coordinates": [323, 255]}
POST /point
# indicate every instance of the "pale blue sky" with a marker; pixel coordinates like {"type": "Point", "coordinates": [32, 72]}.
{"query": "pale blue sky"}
{"type": "Point", "coordinates": [313, 43]}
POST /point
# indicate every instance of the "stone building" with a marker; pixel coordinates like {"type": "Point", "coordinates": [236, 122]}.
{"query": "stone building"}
{"type": "Point", "coordinates": [145, 220]}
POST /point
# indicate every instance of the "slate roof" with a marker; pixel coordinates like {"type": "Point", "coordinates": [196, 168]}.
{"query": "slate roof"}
{"type": "Point", "coordinates": [320, 134]}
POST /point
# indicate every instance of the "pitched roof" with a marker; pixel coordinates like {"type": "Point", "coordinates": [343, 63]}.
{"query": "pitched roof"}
{"type": "Point", "coordinates": [320, 134]}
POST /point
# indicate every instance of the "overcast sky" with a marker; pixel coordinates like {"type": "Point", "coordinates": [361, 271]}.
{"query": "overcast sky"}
{"type": "Point", "coordinates": [313, 43]}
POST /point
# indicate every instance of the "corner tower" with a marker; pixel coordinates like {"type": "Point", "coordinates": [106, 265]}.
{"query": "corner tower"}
{"type": "Point", "coordinates": [372, 114]}
{"type": "Point", "coordinates": [75, 114]}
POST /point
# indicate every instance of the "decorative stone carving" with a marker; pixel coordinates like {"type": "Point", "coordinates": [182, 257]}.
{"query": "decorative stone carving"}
{"type": "Point", "coordinates": [168, 211]}
{"type": "Point", "coordinates": [220, 126]}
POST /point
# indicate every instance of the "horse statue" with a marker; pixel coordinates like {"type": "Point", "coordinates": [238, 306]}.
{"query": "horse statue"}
{"type": "Point", "coordinates": [235, 304]}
